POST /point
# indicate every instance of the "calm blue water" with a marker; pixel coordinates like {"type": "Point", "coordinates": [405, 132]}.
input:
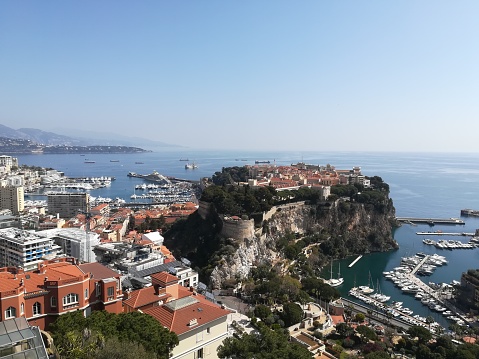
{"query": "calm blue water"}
{"type": "Point", "coordinates": [422, 185]}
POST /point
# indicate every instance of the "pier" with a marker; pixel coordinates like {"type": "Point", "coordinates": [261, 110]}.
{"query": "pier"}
{"type": "Point", "coordinates": [354, 262]}
{"type": "Point", "coordinates": [431, 221]}
{"type": "Point", "coordinates": [440, 233]}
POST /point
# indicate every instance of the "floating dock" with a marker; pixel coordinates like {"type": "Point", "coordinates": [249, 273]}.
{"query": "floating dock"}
{"type": "Point", "coordinates": [354, 262]}
{"type": "Point", "coordinates": [431, 221]}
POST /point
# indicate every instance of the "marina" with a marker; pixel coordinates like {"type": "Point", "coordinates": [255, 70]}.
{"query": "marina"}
{"type": "Point", "coordinates": [433, 296]}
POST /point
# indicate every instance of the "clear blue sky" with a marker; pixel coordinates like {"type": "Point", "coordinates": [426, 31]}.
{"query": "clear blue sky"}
{"type": "Point", "coordinates": [255, 74]}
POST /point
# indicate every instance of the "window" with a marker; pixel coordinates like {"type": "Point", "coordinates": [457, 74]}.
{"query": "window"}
{"type": "Point", "coordinates": [22, 308]}
{"type": "Point", "coordinates": [37, 308]}
{"type": "Point", "coordinates": [71, 298]}
{"type": "Point", "coordinates": [98, 289]}
{"type": "Point", "coordinates": [199, 354]}
{"type": "Point", "coordinates": [111, 291]}
{"type": "Point", "coordinates": [11, 312]}
{"type": "Point", "coordinates": [86, 293]}
{"type": "Point", "coordinates": [53, 302]}
{"type": "Point", "coordinates": [208, 330]}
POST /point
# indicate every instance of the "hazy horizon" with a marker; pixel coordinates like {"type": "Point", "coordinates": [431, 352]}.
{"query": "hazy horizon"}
{"type": "Point", "coordinates": [267, 76]}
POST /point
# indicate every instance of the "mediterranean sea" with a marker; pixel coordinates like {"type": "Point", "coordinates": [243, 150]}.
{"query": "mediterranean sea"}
{"type": "Point", "coordinates": [429, 185]}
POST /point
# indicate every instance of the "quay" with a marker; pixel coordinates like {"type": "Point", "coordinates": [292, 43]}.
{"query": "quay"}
{"type": "Point", "coordinates": [354, 262]}
{"type": "Point", "coordinates": [440, 233]}
{"type": "Point", "coordinates": [431, 221]}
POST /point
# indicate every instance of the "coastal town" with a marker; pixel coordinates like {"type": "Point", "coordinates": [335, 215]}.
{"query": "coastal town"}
{"type": "Point", "coordinates": [64, 250]}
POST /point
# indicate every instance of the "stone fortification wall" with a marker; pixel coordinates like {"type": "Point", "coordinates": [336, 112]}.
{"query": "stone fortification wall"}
{"type": "Point", "coordinates": [237, 228]}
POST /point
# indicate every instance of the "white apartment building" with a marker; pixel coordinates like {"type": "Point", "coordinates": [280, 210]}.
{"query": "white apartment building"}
{"type": "Point", "coordinates": [24, 249]}
{"type": "Point", "coordinates": [74, 242]}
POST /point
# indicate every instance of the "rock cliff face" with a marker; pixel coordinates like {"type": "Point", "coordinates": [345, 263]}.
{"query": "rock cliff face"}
{"type": "Point", "coordinates": [250, 252]}
{"type": "Point", "coordinates": [351, 228]}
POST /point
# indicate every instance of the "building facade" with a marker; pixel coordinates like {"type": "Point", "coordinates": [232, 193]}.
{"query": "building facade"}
{"type": "Point", "coordinates": [12, 198]}
{"type": "Point", "coordinates": [74, 242]}
{"type": "Point", "coordinates": [68, 205]}
{"type": "Point", "coordinates": [58, 286]}
{"type": "Point", "coordinates": [23, 249]}
{"type": "Point", "coordinates": [201, 325]}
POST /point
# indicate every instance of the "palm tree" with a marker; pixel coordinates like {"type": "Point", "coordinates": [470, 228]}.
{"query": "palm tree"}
{"type": "Point", "coordinates": [429, 321]}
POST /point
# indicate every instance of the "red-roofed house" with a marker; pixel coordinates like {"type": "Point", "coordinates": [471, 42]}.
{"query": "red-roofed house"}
{"type": "Point", "coordinates": [201, 325]}
{"type": "Point", "coordinates": [56, 287]}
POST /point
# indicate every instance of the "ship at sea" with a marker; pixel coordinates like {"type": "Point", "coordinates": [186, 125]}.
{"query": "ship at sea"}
{"type": "Point", "coordinates": [191, 166]}
{"type": "Point", "coordinates": [261, 161]}
{"type": "Point", "coordinates": [154, 177]}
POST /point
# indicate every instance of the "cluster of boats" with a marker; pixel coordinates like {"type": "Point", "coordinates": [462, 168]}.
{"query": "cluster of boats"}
{"type": "Point", "coordinates": [421, 263]}
{"type": "Point", "coordinates": [395, 310]}
{"type": "Point", "coordinates": [166, 193]}
{"type": "Point", "coordinates": [151, 186]}
{"type": "Point", "coordinates": [449, 244]}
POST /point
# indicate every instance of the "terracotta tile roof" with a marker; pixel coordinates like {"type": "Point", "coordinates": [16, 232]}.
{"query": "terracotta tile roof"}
{"type": "Point", "coordinates": [64, 270]}
{"type": "Point", "coordinates": [99, 207]}
{"type": "Point", "coordinates": [98, 270]}
{"type": "Point", "coordinates": [177, 315]}
{"type": "Point", "coordinates": [34, 281]}
{"type": "Point", "coordinates": [165, 277]}
{"type": "Point", "coordinates": [142, 297]}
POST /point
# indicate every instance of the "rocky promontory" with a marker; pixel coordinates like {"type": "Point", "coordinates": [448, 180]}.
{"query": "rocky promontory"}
{"type": "Point", "coordinates": [225, 247]}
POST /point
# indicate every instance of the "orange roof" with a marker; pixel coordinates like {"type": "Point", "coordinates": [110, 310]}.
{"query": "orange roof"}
{"type": "Point", "coordinates": [99, 207]}
{"type": "Point", "coordinates": [165, 277]}
{"type": "Point", "coordinates": [34, 280]}
{"type": "Point", "coordinates": [141, 297]}
{"type": "Point", "coordinates": [187, 313]}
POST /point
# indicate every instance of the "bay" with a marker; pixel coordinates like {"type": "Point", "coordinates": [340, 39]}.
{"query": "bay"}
{"type": "Point", "coordinates": [429, 185]}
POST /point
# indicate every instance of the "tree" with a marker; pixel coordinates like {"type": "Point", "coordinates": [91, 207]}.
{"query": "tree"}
{"type": "Point", "coordinates": [367, 332]}
{"type": "Point", "coordinates": [267, 344]}
{"type": "Point", "coordinates": [429, 321]}
{"type": "Point", "coordinates": [69, 331]}
{"type": "Point", "coordinates": [262, 311]}
{"type": "Point", "coordinates": [124, 349]}
{"type": "Point", "coordinates": [344, 330]}
{"type": "Point", "coordinates": [359, 317]}
{"type": "Point", "coordinates": [292, 314]}
{"type": "Point", "coordinates": [423, 334]}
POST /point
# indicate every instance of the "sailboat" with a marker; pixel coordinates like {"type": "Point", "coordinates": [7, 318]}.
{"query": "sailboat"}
{"type": "Point", "coordinates": [379, 296]}
{"type": "Point", "coordinates": [367, 289]}
{"type": "Point", "coordinates": [335, 282]}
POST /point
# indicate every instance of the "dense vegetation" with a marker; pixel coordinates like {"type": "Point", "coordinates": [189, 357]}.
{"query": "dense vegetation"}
{"type": "Point", "coordinates": [416, 342]}
{"type": "Point", "coordinates": [231, 199]}
{"type": "Point", "coordinates": [267, 344]}
{"type": "Point", "coordinates": [200, 242]}
{"type": "Point", "coordinates": [103, 335]}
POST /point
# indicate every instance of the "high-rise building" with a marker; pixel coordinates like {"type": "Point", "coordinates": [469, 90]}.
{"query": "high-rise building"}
{"type": "Point", "coordinates": [8, 161]}
{"type": "Point", "coordinates": [68, 205]}
{"type": "Point", "coordinates": [12, 198]}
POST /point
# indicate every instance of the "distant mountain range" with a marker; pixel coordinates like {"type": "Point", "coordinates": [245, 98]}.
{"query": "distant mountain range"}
{"type": "Point", "coordinates": [86, 139]}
